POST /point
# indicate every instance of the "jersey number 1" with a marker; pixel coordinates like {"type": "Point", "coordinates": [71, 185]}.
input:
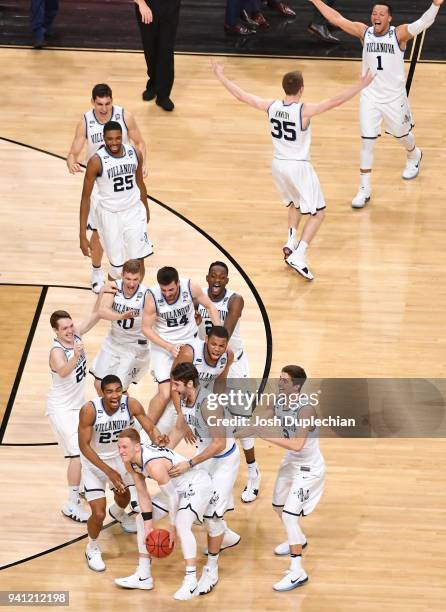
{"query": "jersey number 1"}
{"type": "Point", "coordinates": [380, 67]}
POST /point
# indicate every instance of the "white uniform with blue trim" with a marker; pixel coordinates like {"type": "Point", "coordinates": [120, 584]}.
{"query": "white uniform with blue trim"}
{"type": "Point", "coordinates": [293, 174]}
{"type": "Point", "coordinates": [65, 399]}
{"type": "Point", "coordinates": [121, 216]}
{"type": "Point", "coordinates": [174, 323]}
{"type": "Point", "coordinates": [194, 487]}
{"type": "Point", "coordinates": [240, 366]}
{"type": "Point", "coordinates": [207, 373]}
{"type": "Point", "coordinates": [222, 468]}
{"type": "Point", "coordinates": [104, 441]}
{"type": "Point", "coordinates": [385, 98]}
{"type": "Point", "coordinates": [125, 351]}
{"type": "Point", "coordinates": [94, 132]}
{"type": "Point", "coordinates": [300, 481]}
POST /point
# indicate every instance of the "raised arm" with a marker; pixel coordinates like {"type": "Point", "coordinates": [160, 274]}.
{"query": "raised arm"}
{"type": "Point", "coordinates": [94, 168]}
{"type": "Point", "coordinates": [202, 298]}
{"type": "Point", "coordinates": [136, 138]}
{"type": "Point", "coordinates": [407, 31]}
{"type": "Point", "coordinates": [309, 110]}
{"type": "Point", "coordinates": [76, 148]}
{"type": "Point", "coordinates": [235, 309]}
{"type": "Point", "coordinates": [92, 318]}
{"type": "Point", "coordinates": [237, 91]}
{"type": "Point", "coordinates": [354, 28]}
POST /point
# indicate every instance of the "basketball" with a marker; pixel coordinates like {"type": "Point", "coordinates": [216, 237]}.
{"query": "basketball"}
{"type": "Point", "coordinates": [157, 543]}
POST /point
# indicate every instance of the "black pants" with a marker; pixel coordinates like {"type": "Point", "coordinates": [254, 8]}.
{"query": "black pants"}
{"type": "Point", "coordinates": [158, 39]}
{"type": "Point", "coordinates": [318, 18]}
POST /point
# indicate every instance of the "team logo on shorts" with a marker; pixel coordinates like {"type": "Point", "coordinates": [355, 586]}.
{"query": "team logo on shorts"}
{"type": "Point", "coordinates": [302, 495]}
{"type": "Point", "coordinates": [214, 499]}
{"type": "Point", "coordinates": [189, 493]}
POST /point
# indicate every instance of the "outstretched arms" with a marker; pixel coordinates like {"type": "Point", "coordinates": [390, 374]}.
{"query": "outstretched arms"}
{"type": "Point", "coordinates": [407, 31]}
{"type": "Point", "coordinates": [354, 28]}
{"type": "Point", "coordinates": [237, 91]}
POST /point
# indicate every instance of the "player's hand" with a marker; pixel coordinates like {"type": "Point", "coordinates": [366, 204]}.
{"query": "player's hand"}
{"type": "Point", "coordinates": [189, 435]}
{"type": "Point", "coordinates": [85, 246]}
{"type": "Point", "coordinates": [180, 468]}
{"type": "Point", "coordinates": [130, 314]}
{"type": "Point", "coordinates": [437, 2]}
{"type": "Point", "coordinates": [218, 69]}
{"type": "Point", "coordinates": [198, 318]}
{"type": "Point", "coordinates": [366, 79]}
{"type": "Point", "coordinates": [117, 481]}
{"type": "Point", "coordinates": [145, 172]}
{"type": "Point", "coordinates": [158, 438]}
{"type": "Point", "coordinates": [146, 13]}
{"type": "Point", "coordinates": [78, 348]}
{"type": "Point", "coordinates": [74, 166]}
{"type": "Point", "coordinates": [172, 536]}
{"type": "Point", "coordinates": [175, 349]}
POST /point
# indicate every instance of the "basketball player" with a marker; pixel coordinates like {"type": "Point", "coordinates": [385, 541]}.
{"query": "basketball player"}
{"type": "Point", "coordinates": [125, 351]}
{"type": "Point", "coordinates": [293, 174]}
{"type": "Point", "coordinates": [100, 422]}
{"type": "Point", "coordinates": [300, 481]}
{"type": "Point", "coordinates": [90, 130]}
{"type": "Point", "coordinates": [230, 307]}
{"type": "Point", "coordinates": [386, 98]}
{"type": "Point", "coordinates": [122, 212]}
{"type": "Point", "coordinates": [220, 457]}
{"type": "Point", "coordinates": [184, 499]}
{"type": "Point", "coordinates": [169, 322]}
{"type": "Point", "coordinates": [68, 366]}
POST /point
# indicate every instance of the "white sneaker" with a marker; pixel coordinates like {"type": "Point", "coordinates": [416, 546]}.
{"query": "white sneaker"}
{"type": "Point", "coordinates": [299, 265]}
{"type": "Point", "coordinates": [291, 581]}
{"type": "Point", "coordinates": [128, 523]}
{"type": "Point", "coordinates": [361, 198]}
{"type": "Point", "coordinates": [135, 582]}
{"type": "Point", "coordinates": [289, 247]}
{"type": "Point", "coordinates": [252, 489]}
{"type": "Point", "coordinates": [412, 167]}
{"type": "Point", "coordinates": [284, 548]}
{"type": "Point", "coordinates": [97, 280]}
{"type": "Point", "coordinates": [75, 511]}
{"type": "Point", "coordinates": [208, 580]}
{"type": "Point", "coordinates": [94, 558]}
{"type": "Point", "coordinates": [230, 539]}
{"type": "Point", "coordinates": [188, 589]}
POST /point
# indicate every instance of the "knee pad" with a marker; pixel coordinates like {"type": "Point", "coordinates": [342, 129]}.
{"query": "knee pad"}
{"type": "Point", "coordinates": [366, 157]}
{"type": "Point", "coordinates": [294, 532]}
{"type": "Point", "coordinates": [247, 443]}
{"type": "Point", "coordinates": [215, 527]}
{"type": "Point", "coordinates": [115, 272]}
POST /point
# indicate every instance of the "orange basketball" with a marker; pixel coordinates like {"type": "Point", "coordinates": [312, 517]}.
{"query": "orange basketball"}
{"type": "Point", "coordinates": [157, 543]}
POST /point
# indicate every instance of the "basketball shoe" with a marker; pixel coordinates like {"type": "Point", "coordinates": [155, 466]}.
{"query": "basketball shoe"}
{"type": "Point", "coordinates": [135, 581]}
{"type": "Point", "coordinates": [208, 580]}
{"type": "Point", "coordinates": [291, 581]}
{"type": "Point", "coordinates": [230, 539]}
{"type": "Point", "coordinates": [412, 167]}
{"type": "Point", "coordinates": [284, 548]}
{"type": "Point", "coordinates": [188, 589]}
{"type": "Point", "coordinates": [252, 489]}
{"type": "Point", "coordinates": [75, 511]}
{"type": "Point", "coordinates": [94, 558]}
{"type": "Point", "coordinates": [128, 523]}
{"type": "Point", "coordinates": [361, 198]}
{"type": "Point", "coordinates": [298, 263]}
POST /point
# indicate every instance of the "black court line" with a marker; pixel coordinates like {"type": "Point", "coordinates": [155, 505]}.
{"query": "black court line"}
{"type": "Point", "coordinates": [416, 50]}
{"type": "Point", "coordinates": [23, 359]}
{"type": "Point", "coordinates": [50, 550]}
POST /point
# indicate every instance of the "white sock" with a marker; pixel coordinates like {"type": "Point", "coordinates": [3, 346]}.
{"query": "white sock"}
{"type": "Point", "coordinates": [302, 248]}
{"type": "Point", "coordinates": [144, 567]}
{"type": "Point", "coordinates": [92, 542]}
{"type": "Point", "coordinates": [296, 563]}
{"type": "Point", "coordinates": [212, 561]}
{"type": "Point", "coordinates": [365, 179]}
{"type": "Point", "coordinates": [191, 572]}
{"type": "Point", "coordinates": [73, 494]}
{"type": "Point", "coordinates": [252, 470]}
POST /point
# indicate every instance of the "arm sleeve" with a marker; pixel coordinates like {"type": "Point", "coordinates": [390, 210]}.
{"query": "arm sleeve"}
{"type": "Point", "coordinates": [425, 21]}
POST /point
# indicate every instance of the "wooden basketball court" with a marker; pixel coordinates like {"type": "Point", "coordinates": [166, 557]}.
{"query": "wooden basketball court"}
{"type": "Point", "coordinates": [375, 309]}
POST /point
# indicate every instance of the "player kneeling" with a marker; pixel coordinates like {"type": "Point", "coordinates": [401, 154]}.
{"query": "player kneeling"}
{"type": "Point", "coordinates": [184, 498]}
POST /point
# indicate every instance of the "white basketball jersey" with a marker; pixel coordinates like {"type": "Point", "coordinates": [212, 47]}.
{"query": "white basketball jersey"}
{"type": "Point", "coordinates": [384, 58]}
{"type": "Point", "coordinates": [106, 427]}
{"type": "Point", "coordinates": [194, 418]}
{"type": "Point", "coordinates": [94, 130]}
{"type": "Point", "coordinates": [175, 322]}
{"type": "Point", "coordinates": [310, 454]}
{"type": "Point", "coordinates": [235, 342]}
{"type": "Point", "coordinates": [149, 452]}
{"type": "Point", "coordinates": [290, 140]}
{"type": "Point", "coordinates": [128, 331]}
{"type": "Point", "coordinates": [117, 188]}
{"type": "Point", "coordinates": [207, 373]}
{"type": "Point", "coordinates": [68, 393]}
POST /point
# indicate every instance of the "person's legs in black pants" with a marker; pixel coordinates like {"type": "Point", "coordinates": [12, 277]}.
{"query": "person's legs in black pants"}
{"type": "Point", "coordinates": [149, 37]}
{"type": "Point", "coordinates": [169, 17]}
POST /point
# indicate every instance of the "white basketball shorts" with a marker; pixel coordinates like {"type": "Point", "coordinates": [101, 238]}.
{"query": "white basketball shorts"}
{"type": "Point", "coordinates": [92, 222]}
{"type": "Point", "coordinates": [298, 488]}
{"type": "Point", "coordinates": [124, 234]}
{"type": "Point", "coordinates": [223, 471]}
{"type": "Point", "coordinates": [95, 480]}
{"type": "Point", "coordinates": [298, 184]}
{"type": "Point", "coordinates": [239, 367]}
{"type": "Point", "coordinates": [64, 424]}
{"type": "Point", "coordinates": [130, 362]}
{"type": "Point", "coordinates": [396, 115]}
{"type": "Point", "coordinates": [194, 495]}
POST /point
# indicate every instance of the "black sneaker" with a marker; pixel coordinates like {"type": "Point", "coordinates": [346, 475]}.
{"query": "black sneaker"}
{"type": "Point", "coordinates": [166, 104]}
